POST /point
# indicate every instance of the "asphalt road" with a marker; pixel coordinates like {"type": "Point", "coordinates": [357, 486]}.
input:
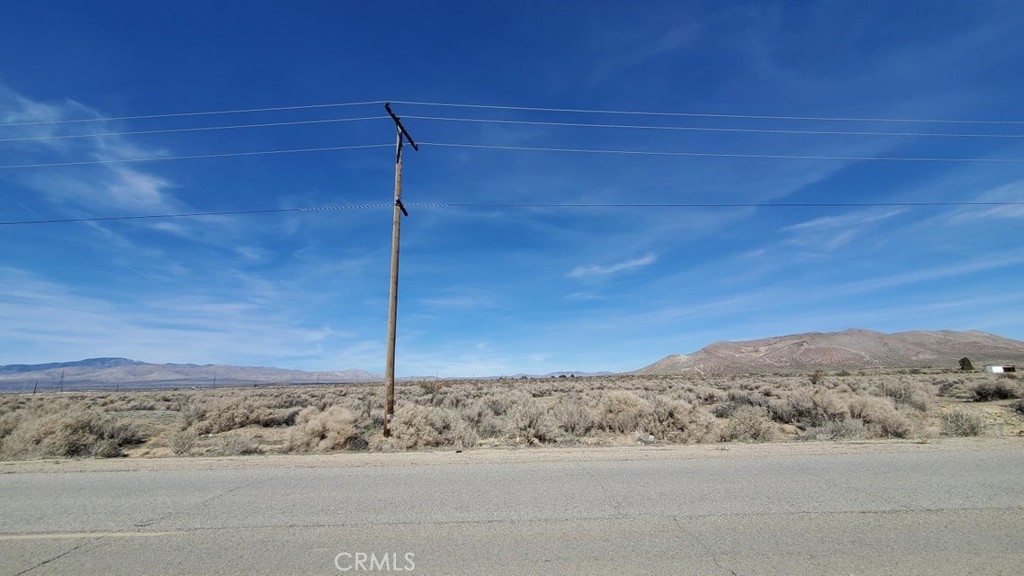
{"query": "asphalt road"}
{"type": "Point", "coordinates": [903, 509]}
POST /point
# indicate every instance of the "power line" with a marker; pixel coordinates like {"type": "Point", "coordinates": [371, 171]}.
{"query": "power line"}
{"type": "Point", "coordinates": [512, 122]}
{"type": "Point", "coordinates": [198, 129]}
{"type": "Point", "coordinates": [444, 205]}
{"type": "Point", "coordinates": [708, 129]}
{"type": "Point", "coordinates": [713, 205]}
{"type": "Point", "coordinates": [707, 114]}
{"type": "Point", "coordinates": [197, 214]}
{"type": "Point", "coordinates": [196, 156]}
{"type": "Point", "coordinates": [204, 113]}
{"type": "Point", "coordinates": [521, 108]}
{"type": "Point", "coordinates": [521, 149]}
{"type": "Point", "coordinates": [716, 154]}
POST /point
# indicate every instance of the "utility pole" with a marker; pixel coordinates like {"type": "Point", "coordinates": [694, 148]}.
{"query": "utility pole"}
{"type": "Point", "coordinates": [396, 226]}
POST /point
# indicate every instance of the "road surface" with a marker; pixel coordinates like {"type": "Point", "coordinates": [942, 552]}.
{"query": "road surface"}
{"type": "Point", "coordinates": [892, 508]}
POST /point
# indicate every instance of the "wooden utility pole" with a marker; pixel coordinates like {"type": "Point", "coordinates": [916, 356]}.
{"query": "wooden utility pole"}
{"type": "Point", "coordinates": [396, 226]}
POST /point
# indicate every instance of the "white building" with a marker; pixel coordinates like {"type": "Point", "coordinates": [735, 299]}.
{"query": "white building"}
{"type": "Point", "coordinates": [1000, 369]}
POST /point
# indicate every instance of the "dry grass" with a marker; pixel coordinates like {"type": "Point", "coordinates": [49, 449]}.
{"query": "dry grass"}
{"type": "Point", "coordinates": [506, 412]}
{"type": "Point", "coordinates": [959, 422]}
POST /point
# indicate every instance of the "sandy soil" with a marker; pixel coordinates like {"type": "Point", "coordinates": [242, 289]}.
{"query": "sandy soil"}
{"type": "Point", "coordinates": [520, 454]}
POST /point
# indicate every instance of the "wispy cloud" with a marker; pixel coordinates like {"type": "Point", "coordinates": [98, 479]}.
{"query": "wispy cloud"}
{"type": "Point", "coordinates": [626, 50]}
{"type": "Point", "coordinates": [1013, 192]}
{"type": "Point", "coordinates": [599, 270]}
{"type": "Point", "coordinates": [461, 298]}
{"type": "Point", "coordinates": [40, 319]}
{"type": "Point", "coordinates": [830, 233]}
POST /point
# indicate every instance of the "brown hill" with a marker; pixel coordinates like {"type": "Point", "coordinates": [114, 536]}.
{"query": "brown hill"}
{"type": "Point", "coordinates": [105, 373]}
{"type": "Point", "coordinates": [847, 350]}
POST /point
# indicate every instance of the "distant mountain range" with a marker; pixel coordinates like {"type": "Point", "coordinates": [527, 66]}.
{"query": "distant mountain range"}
{"type": "Point", "coordinates": [111, 373]}
{"type": "Point", "coordinates": [847, 350]}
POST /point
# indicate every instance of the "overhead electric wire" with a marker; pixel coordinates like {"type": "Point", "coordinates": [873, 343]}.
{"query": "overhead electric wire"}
{"type": "Point", "coordinates": [709, 204]}
{"type": "Point", "coordinates": [515, 122]}
{"type": "Point", "coordinates": [196, 129]}
{"type": "Point", "coordinates": [704, 128]}
{"type": "Point", "coordinates": [380, 205]}
{"type": "Point", "coordinates": [520, 149]}
{"type": "Point", "coordinates": [197, 156]}
{"type": "Point", "coordinates": [706, 114]}
{"type": "Point", "coordinates": [197, 214]}
{"type": "Point", "coordinates": [186, 114]}
{"type": "Point", "coordinates": [523, 109]}
{"type": "Point", "coordinates": [715, 154]}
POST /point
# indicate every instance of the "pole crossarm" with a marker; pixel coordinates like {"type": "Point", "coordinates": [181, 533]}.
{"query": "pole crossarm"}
{"type": "Point", "coordinates": [401, 128]}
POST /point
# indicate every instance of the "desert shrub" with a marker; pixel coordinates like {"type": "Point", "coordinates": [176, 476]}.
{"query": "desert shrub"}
{"type": "Point", "coordinates": [810, 408]}
{"type": "Point", "coordinates": [749, 424]}
{"type": "Point", "coordinates": [142, 403]}
{"type": "Point", "coordinates": [500, 404]}
{"type": "Point", "coordinates": [709, 395]}
{"type": "Point", "coordinates": [995, 389]}
{"type": "Point", "coordinates": [70, 433]}
{"type": "Point", "coordinates": [679, 422]}
{"type": "Point", "coordinates": [531, 423]}
{"type": "Point", "coordinates": [8, 422]}
{"type": "Point", "coordinates": [216, 415]}
{"type": "Point", "coordinates": [749, 397]}
{"type": "Point", "coordinates": [880, 417]}
{"type": "Point", "coordinates": [572, 416]}
{"type": "Point", "coordinates": [430, 387]}
{"type": "Point", "coordinates": [183, 442]}
{"type": "Point", "coordinates": [727, 409]}
{"type": "Point", "coordinates": [416, 426]}
{"type": "Point", "coordinates": [961, 423]}
{"type": "Point", "coordinates": [325, 430]}
{"type": "Point", "coordinates": [905, 393]}
{"type": "Point", "coordinates": [482, 419]}
{"type": "Point", "coordinates": [413, 426]}
{"type": "Point", "coordinates": [239, 444]}
{"type": "Point", "coordinates": [622, 412]}
{"type": "Point", "coordinates": [1018, 407]}
{"type": "Point", "coordinates": [845, 429]}
{"type": "Point", "coordinates": [947, 387]}
{"type": "Point", "coordinates": [193, 411]}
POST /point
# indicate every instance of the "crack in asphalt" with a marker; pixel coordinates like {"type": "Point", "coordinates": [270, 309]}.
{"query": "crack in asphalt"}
{"type": "Point", "coordinates": [97, 541]}
{"type": "Point", "coordinates": [604, 489]}
{"type": "Point", "coordinates": [173, 513]}
{"type": "Point", "coordinates": [707, 548]}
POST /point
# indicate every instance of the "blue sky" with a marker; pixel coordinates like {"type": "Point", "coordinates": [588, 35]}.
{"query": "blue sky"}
{"type": "Point", "coordinates": [488, 289]}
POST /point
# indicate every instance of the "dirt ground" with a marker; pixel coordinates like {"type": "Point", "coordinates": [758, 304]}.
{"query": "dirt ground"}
{"type": "Point", "coordinates": [639, 453]}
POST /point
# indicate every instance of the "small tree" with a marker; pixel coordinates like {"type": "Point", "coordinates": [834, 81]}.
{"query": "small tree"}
{"type": "Point", "coordinates": [965, 364]}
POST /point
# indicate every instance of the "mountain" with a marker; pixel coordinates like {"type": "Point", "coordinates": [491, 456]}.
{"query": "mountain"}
{"type": "Point", "coordinates": [106, 373]}
{"type": "Point", "coordinates": [847, 350]}
{"type": "Point", "coordinates": [91, 363]}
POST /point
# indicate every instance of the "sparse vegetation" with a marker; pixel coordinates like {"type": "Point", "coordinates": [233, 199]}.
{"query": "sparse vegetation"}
{"type": "Point", "coordinates": [525, 412]}
{"type": "Point", "coordinates": [71, 432]}
{"type": "Point", "coordinates": [749, 424]}
{"type": "Point", "coordinates": [966, 365]}
{"type": "Point", "coordinates": [996, 389]}
{"type": "Point", "coordinates": [959, 422]}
